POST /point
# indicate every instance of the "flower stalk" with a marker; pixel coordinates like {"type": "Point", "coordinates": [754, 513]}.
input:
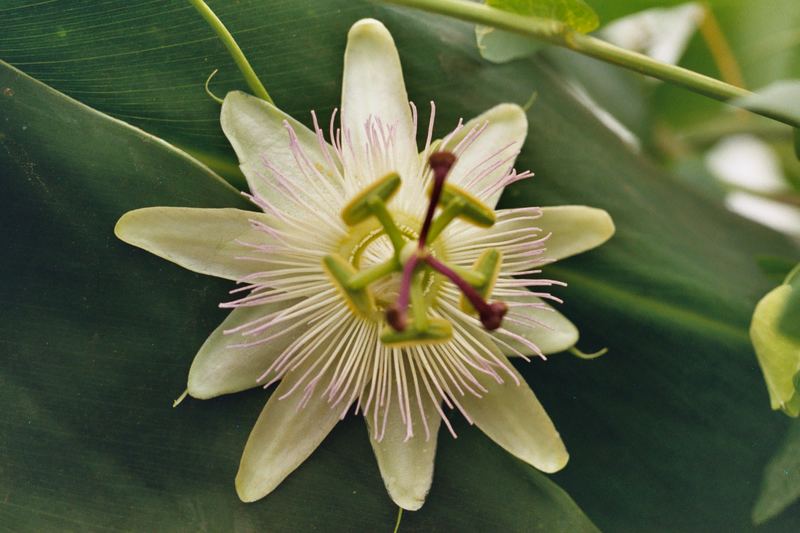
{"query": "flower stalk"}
{"type": "Point", "coordinates": [557, 33]}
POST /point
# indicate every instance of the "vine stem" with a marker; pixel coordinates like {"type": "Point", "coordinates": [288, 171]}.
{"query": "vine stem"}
{"type": "Point", "coordinates": [233, 49]}
{"type": "Point", "coordinates": [559, 34]}
{"type": "Point", "coordinates": [399, 518]}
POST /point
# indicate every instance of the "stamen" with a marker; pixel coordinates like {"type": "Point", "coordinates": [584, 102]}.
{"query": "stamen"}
{"type": "Point", "coordinates": [397, 315]}
{"type": "Point", "coordinates": [440, 163]}
{"type": "Point", "coordinates": [490, 313]}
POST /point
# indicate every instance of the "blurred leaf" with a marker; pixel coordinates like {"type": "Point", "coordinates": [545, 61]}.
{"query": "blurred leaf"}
{"type": "Point", "coordinates": [660, 33]}
{"type": "Point", "coordinates": [780, 99]}
{"type": "Point", "coordinates": [790, 318]}
{"type": "Point", "coordinates": [781, 485]}
{"type": "Point", "coordinates": [501, 46]}
{"type": "Point", "coordinates": [669, 428]}
{"type": "Point", "coordinates": [778, 353]}
{"type": "Point", "coordinates": [763, 37]}
{"type": "Point", "coordinates": [621, 92]}
{"type": "Point", "coordinates": [776, 268]}
{"type": "Point", "coordinates": [100, 444]}
{"type": "Point", "coordinates": [797, 143]}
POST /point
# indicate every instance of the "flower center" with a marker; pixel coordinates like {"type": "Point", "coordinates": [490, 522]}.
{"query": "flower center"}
{"type": "Point", "coordinates": [385, 266]}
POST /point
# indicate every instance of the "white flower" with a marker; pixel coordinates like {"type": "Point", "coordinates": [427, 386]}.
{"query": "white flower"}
{"type": "Point", "coordinates": [321, 265]}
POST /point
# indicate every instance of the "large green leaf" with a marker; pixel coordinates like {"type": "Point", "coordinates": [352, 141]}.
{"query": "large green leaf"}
{"type": "Point", "coordinates": [781, 485]}
{"type": "Point", "coordinates": [97, 339]}
{"type": "Point", "coordinates": [672, 427]}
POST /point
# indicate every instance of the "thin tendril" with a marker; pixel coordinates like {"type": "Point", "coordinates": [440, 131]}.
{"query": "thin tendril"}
{"type": "Point", "coordinates": [233, 49]}
{"type": "Point", "coordinates": [180, 399]}
{"type": "Point", "coordinates": [213, 96]}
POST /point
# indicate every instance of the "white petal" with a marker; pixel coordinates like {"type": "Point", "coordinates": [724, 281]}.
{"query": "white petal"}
{"type": "Point", "coordinates": [256, 129]}
{"type": "Point", "coordinates": [202, 240]}
{"type": "Point", "coordinates": [575, 229]}
{"type": "Point", "coordinates": [511, 416]}
{"type": "Point", "coordinates": [548, 329]}
{"type": "Point", "coordinates": [221, 368]}
{"type": "Point", "coordinates": [373, 88]}
{"type": "Point", "coordinates": [283, 437]}
{"type": "Point", "coordinates": [504, 128]}
{"type": "Point", "coordinates": [407, 466]}
{"type": "Point", "coordinates": [516, 233]}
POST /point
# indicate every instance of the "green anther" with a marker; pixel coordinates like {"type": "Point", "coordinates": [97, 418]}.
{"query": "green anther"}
{"type": "Point", "coordinates": [363, 278]}
{"type": "Point", "coordinates": [359, 208]}
{"type": "Point", "coordinates": [341, 272]}
{"type": "Point", "coordinates": [488, 265]}
{"type": "Point", "coordinates": [438, 331]}
{"type": "Point", "coordinates": [418, 307]}
{"type": "Point", "coordinates": [476, 279]}
{"type": "Point", "coordinates": [453, 209]}
{"type": "Point", "coordinates": [378, 208]}
{"type": "Point", "coordinates": [473, 211]}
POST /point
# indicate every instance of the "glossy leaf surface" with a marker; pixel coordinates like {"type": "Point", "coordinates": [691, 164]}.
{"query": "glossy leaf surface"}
{"type": "Point", "coordinates": [671, 427]}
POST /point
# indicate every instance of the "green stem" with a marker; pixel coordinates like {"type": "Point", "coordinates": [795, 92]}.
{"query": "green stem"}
{"type": "Point", "coordinates": [476, 279]}
{"type": "Point", "coordinates": [418, 303]}
{"type": "Point", "coordinates": [559, 34]}
{"type": "Point", "coordinates": [380, 211]}
{"type": "Point", "coordinates": [374, 273]}
{"type": "Point", "coordinates": [450, 211]}
{"type": "Point", "coordinates": [399, 518]}
{"type": "Point", "coordinates": [705, 85]}
{"type": "Point", "coordinates": [236, 53]}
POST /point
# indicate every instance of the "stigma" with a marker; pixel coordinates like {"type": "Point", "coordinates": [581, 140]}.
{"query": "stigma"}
{"type": "Point", "coordinates": [408, 319]}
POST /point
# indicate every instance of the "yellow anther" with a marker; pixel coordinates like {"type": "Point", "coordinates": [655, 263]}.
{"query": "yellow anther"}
{"type": "Point", "coordinates": [488, 267]}
{"type": "Point", "coordinates": [358, 209]}
{"type": "Point", "coordinates": [340, 273]}
{"type": "Point", "coordinates": [472, 209]}
{"type": "Point", "coordinates": [437, 331]}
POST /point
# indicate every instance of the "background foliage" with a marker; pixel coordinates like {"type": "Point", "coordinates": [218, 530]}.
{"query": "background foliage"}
{"type": "Point", "coordinates": [672, 428]}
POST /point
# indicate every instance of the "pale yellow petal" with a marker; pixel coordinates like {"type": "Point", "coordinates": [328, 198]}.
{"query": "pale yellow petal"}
{"type": "Point", "coordinates": [283, 437]}
{"type": "Point", "coordinates": [407, 465]}
{"type": "Point", "coordinates": [373, 88]}
{"type": "Point", "coordinates": [516, 233]}
{"type": "Point", "coordinates": [503, 131]}
{"type": "Point", "coordinates": [207, 241]}
{"type": "Point", "coordinates": [257, 131]}
{"type": "Point", "coordinates": [221, 367]}
{"type": "Point", "coordinates": [511, 416]}
{"type": "Point", "coordinates": [548, 329]}
{"type": "Point", "coordinates": [575, 229]}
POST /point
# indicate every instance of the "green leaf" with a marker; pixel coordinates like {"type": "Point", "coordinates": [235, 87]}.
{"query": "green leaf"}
{"type": "Point", "coordinates": [797, 143]}
{"type": "Point", "coordinates": [778, 354]}
{"type": "Point", "coordinates": [672, 427]}
{"type": "Point", "coordinates": [576, 14]}
{"type": "Point", "coordinates": [781, 484]}
{"type": "Point", "coordinates": [98, 337]}
{"type": "Point", "coordinates": [780, 99]}
{"type": "Point", "coordinates": [501, 46]}
{"type": "Point", "coordinates": [776, 268]}
{"type": "Point", "coordinates": [789, 323]}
